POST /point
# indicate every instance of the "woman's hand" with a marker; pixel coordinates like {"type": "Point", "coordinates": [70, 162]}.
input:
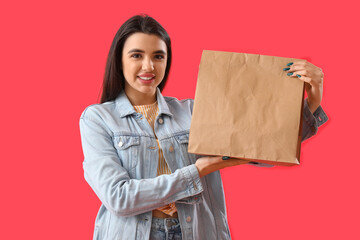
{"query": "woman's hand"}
{"type": "Point", "coordinates": [313, 78]}
{"type": "Point", "coordinates": [206, 165]}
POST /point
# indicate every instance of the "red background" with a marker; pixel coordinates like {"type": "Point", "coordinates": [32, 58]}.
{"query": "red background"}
{"type": "Point", "coordinates": [53, 57]}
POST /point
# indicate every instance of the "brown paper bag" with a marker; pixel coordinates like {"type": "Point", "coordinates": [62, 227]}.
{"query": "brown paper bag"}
{"type": "Point", "coordinates": [247, 107]}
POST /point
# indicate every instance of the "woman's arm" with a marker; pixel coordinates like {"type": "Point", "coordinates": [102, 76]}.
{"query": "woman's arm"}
{"type": "Point", "coordinates": [313, 77]}
{"type": "Point", "coordinates": [111, 182]}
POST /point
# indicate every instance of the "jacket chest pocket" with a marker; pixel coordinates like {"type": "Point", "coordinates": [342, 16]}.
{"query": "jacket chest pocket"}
{"type": "Point", "coordinates": [128, 148]}
{"type": "Point", "coordinates": [183, 142]}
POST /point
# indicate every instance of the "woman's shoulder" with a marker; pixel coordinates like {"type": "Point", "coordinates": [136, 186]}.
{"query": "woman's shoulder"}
{"type": "Point", "coordinates": [173, 102]}
{"type": "Point", "coordinates": [98, 109]}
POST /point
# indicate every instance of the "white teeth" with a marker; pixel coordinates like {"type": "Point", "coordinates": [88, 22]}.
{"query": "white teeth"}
{"type": "Point", "coordinates": [146, 78]}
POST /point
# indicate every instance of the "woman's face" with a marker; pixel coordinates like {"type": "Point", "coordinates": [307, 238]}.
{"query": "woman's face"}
{"type": "Point", "coordinates": [144, 58]}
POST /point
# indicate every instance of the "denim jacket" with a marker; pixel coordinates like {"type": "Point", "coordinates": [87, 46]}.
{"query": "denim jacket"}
{"type": "Point", "coordinates": [120, 165]}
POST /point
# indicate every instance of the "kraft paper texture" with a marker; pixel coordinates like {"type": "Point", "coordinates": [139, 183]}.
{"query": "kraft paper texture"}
{"type": "Point", "coordinates": [247, 107]}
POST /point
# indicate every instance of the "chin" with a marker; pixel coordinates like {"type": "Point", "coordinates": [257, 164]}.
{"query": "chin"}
{"type": "Point", "coordinates": [148, 89]}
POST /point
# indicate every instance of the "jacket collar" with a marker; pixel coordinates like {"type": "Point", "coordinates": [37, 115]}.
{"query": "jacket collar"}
{"type": "Point", "coordinates": [125, 108]}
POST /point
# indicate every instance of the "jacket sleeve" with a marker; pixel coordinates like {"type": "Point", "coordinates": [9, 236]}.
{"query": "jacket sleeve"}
{"type": "Point", "coordinates": [312, 121]}
{"type": "Point", "coordinates": [111, 183]}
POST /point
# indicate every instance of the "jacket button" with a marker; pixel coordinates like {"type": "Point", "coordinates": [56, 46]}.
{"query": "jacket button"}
{"type": "Point", "coordinates": [171, 149]}
{"type": "Point", "coordinates": [121, 143]}
{"type": "Point", "coordinates": [161, 121]}
{"type": "Point", "coordinates": [188, 219]}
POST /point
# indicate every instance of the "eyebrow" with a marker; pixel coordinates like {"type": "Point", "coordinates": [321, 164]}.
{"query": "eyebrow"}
{"type": "Point", "coordinates": [142, 51]}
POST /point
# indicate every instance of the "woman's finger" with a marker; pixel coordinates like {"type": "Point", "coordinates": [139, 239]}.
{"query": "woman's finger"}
{"type": "Point", "coordinates": [302, 75]}
{"type": "Point", "coordinates": [304, 78]}
{"type": "Point", "coordinates": [301, 72]}
{"type": "Point", "coordinates": [302, 63]}
{"type": "Point", "coordinates": [296, 66]}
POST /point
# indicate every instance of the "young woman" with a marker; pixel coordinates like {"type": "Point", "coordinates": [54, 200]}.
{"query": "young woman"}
{"type": "Point", "coordinates": [135, 145]}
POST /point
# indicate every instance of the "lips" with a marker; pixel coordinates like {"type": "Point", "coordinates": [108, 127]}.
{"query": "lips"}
{"type": "Point", "coordinates": [147, 76]}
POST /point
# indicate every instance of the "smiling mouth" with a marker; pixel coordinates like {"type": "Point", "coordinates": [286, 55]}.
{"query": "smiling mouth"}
{"type": "Point", "coordinates": [146, 78]}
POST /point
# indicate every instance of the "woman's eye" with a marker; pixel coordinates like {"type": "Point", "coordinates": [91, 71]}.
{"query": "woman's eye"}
{"type": "Point", "coordinates": [136, 56]}
{"type": "Point", "coordinates": [159, 56]}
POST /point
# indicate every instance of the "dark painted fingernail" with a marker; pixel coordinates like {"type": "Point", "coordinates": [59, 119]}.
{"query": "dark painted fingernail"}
{"type": "Point", "coordinates": [289, 74]}
{"type": "Point", "coordinates": [285, 69]}
{"type": "Point", "coordinates": [289, 64]}
{"type": "Point", "coordinates": [299, 76]}
{"type": "Point", "coordinates": [225, 158]}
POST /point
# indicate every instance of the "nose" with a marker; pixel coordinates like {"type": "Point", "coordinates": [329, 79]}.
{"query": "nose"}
{"type": "Point", "coordinates": [147, 65]}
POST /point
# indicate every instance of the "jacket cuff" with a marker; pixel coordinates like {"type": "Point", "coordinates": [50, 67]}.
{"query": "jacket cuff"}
{"type": "Point", "coordinates": [320, 116]}
{"type": "Point", "coordinates": [315, 119]}
{"type": "Point", "coordinates": [193, 178]}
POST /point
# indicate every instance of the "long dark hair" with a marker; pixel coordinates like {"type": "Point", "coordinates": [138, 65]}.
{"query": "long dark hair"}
{"type": "Point", "coordinates": [114, 80]}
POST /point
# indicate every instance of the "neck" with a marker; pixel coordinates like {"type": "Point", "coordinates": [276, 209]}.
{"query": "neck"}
{"type": "Point", "coordinates": [139, 98]}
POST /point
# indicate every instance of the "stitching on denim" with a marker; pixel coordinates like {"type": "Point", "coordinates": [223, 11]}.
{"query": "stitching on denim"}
{"type": "Point", "coordinates": [183, 132]}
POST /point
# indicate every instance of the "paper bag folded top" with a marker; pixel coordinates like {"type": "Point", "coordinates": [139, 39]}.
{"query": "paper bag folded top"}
{"type": "Point", "coordinates": [246, 106]}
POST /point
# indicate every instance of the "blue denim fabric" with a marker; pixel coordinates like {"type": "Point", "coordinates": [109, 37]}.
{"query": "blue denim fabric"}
{"type": "Point", "coordinates": [165, 229]}
{"type": "Point", "coordinates": [120, 165]}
